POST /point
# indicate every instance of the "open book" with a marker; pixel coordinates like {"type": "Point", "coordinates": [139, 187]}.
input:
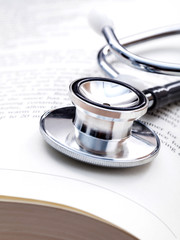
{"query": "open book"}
{"type": "Point", "coordinates": [44, 45]}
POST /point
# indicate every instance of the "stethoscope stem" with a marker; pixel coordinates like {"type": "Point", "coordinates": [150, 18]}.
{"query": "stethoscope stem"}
{"type": "Point", "coordinates": [160, 96]}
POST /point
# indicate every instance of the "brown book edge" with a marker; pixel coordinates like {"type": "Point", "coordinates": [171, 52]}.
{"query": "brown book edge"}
{"type": "Point", "coordinates": [22, 218]}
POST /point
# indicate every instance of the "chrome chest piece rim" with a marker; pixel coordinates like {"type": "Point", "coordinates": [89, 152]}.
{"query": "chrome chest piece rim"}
{"type": "Point", "coordinates": [102, 132]}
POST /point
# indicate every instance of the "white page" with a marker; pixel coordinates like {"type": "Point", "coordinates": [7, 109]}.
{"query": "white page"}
{"type": "Point", "coordinates": [44, 46]}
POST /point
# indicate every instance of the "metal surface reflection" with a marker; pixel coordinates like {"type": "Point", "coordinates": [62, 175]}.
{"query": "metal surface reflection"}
{"type": "Point", "coordinates": [58, 131]}
{"type": "Point", "coordinates": [109, 94]}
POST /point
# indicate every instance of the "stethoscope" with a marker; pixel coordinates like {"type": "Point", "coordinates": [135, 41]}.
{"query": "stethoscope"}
{"type": "Point", "coordinates": [102, 127]}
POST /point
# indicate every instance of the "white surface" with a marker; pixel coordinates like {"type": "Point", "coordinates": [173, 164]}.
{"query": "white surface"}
{"type": "Point", "coordinates": [88, 197]}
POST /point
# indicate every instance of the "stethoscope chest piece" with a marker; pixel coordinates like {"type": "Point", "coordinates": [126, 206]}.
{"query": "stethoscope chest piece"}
{"type": "Point", "coordinates": [101, 128]}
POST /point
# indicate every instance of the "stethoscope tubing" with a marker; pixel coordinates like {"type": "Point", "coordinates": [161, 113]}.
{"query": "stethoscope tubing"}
{"type": "Point", "coordinates": [160, 96]}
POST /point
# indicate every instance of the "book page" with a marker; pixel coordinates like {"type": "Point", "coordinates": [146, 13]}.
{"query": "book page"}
{"type": "Point", "coordinates": [44, 45]}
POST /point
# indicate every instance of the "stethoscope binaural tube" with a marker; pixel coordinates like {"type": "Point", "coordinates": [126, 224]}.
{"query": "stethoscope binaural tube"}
{"type": "Point", "coordinates": [102, 24]}
{"type": "Point", "coordinates": [118, 48]}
